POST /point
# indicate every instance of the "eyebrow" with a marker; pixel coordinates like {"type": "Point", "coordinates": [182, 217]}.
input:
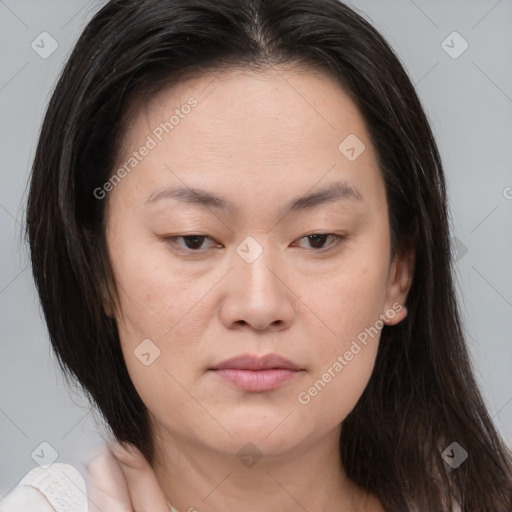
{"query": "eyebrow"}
{"type": "Point", "coordinates": [336, 191]}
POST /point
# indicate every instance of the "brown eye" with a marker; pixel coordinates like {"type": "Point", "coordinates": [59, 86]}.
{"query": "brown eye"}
{"type": "Point", "coordinates": [318, 240]}
{"type": "Point", "coordinates": [192, 243]}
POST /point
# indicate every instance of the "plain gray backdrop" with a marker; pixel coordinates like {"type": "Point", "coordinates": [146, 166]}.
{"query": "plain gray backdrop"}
{"type": "Point", "coordinates": [468, 98]}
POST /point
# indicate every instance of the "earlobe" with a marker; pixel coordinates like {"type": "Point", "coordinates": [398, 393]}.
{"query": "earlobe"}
{"type": "Point", "coordinates": [399, 284]}
{"type": "Point", "coordinates": [395, 314]}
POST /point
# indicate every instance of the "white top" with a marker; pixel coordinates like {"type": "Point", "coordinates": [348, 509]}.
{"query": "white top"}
{"type": "Point", "coordinates": [57, 488]}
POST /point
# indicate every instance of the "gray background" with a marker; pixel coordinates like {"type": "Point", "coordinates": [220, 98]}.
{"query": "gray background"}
{"type": "Point", "coordinates": [468, 100]}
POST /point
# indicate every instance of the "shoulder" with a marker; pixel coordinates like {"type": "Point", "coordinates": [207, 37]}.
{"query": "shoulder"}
{"type": "Point", "coordinates": [58, 488]}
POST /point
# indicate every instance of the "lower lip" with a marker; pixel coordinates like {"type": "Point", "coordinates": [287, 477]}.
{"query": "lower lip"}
{"type": "Point", "coordinates": [256, 380]}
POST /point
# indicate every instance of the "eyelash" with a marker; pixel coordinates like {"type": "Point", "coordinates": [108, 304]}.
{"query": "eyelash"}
{"type": "Point", "coordinates": [172, 240]}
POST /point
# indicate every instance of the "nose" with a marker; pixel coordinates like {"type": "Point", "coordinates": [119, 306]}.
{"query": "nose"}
{"type": "Point", "coordinates": [258, 294]}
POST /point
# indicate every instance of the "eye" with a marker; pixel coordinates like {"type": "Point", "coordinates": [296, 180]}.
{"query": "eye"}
{"type": "Point", "coordinates": [192, 242]}
{"type": "Point", "coordinates": [317, 240]}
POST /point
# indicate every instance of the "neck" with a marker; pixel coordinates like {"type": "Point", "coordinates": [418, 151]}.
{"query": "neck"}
{"type": "Point", "coordinates": [196, 477]}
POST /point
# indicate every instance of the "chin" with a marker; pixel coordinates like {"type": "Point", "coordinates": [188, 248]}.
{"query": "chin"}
{"type": "Point", "coordinates": [273, 432]}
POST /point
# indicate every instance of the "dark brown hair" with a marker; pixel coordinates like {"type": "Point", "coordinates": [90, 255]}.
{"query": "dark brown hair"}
{"type": "Point", "coordinates": [422, 394]}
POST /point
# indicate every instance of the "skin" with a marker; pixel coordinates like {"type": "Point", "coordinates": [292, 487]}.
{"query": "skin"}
{"type": "Point", "coordinates": [259, 140]}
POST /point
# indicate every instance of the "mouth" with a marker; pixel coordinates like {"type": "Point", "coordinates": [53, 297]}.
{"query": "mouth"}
{"type": "Point", "coordinates": [254, 373]}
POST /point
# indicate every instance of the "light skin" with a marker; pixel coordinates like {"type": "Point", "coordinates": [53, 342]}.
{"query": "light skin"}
{"type": "Point", "coordinates": [260, 141]}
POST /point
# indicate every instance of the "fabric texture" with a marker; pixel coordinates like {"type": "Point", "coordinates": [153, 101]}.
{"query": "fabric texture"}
{"type": "Point", "coordinates": [57, 488]}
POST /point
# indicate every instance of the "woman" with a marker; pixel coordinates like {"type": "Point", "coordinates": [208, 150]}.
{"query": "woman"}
{"type": "Point", "coordinates": [238, 227]}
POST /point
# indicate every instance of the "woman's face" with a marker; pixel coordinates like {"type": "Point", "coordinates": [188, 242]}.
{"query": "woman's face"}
{"type": "Point", "coordinates": [287, 155]}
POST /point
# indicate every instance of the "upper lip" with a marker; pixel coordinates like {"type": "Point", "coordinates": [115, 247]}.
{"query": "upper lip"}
{"type": "Point", "coordinates": [254, 362]}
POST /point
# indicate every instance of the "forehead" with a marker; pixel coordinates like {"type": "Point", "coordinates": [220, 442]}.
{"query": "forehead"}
{"type": "Point", "coordinates": [277, 107]}
{"type": "Point", "coordinates": [274, 130]}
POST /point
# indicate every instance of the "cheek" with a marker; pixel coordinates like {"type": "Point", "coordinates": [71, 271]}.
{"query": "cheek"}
{"type": "Point", "coordinates": [154, 294]}
{"type": "Point", "coordinates": [329, 399]}
{"type": "Point", "coordinates": [349, 299]}
{"type": "Point", "coordinates": [350, 304]}
{"type": "Point", "coordinates": [345, 357]}
{"type": "Point", "coordinates": [157, 304]}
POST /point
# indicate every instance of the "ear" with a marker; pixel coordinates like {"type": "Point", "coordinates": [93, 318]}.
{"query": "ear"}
{"type": "Point", "coordinates": [399, 284]}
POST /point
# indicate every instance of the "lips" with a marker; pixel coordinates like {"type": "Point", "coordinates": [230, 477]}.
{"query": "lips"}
{"type": "Point", "coordinates": [254, 373]}
{"type": "Point", "coordinates": [250, 362]}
